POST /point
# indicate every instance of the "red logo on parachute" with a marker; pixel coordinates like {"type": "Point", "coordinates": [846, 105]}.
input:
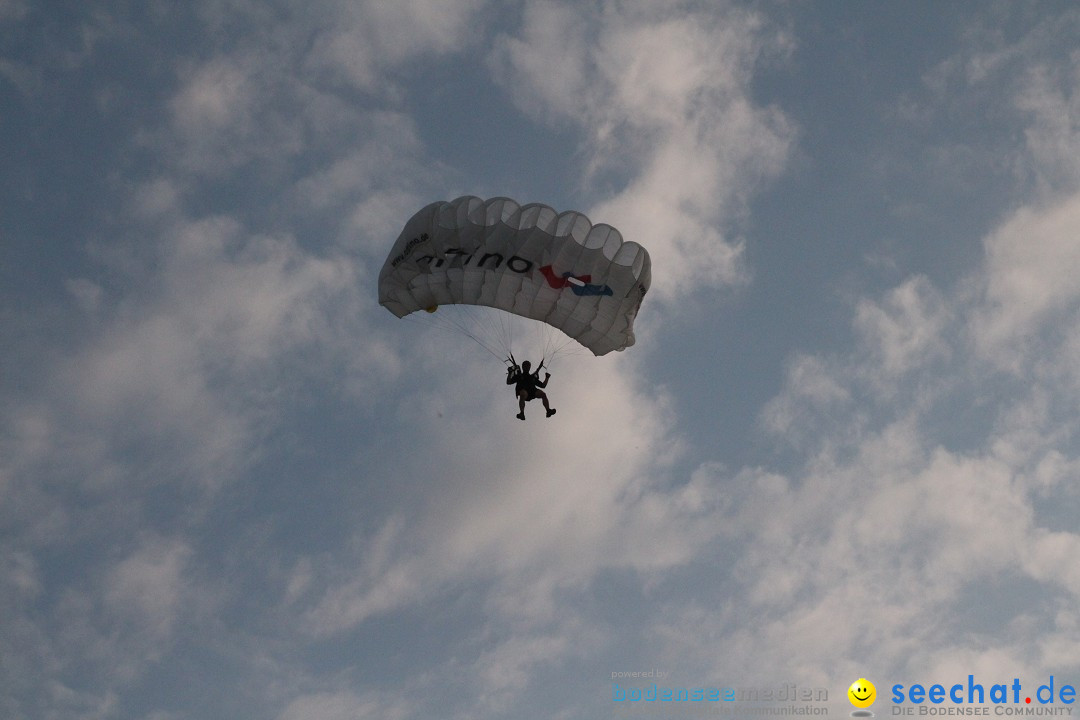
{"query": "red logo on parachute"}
{"type": "Point", "coordinates": [578, 284]}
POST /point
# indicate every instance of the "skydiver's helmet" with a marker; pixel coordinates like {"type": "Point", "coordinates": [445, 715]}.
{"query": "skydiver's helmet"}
{"type": "Point", "coordinates": [525, 366]}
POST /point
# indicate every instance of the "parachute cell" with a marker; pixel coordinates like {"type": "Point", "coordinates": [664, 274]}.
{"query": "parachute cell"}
{"type": "Point", "coordinates": [528, 260]}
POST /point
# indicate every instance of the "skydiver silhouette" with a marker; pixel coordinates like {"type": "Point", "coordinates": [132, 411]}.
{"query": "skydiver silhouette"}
{"type": "Point", "coordinates": [527, 386]}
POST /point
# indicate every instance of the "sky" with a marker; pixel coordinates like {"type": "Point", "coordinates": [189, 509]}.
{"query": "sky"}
{"type": "Point", "coordinates": [846, 443]}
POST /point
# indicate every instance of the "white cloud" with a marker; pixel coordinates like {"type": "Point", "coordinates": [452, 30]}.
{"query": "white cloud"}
{"type": "Point", "coordinates": [370, 184]}
{"type": "Point", "coordinates": [227, 113]}
{"type": "Point", "coordinates": [915, 555]}
{"type": "Point", "coordinates": [379, 585]}
{"type": "Point", "coordinates": [147, 589]}
{"type": "Point", "coordinates": [224, 307]}
{"type": "Point", "coordinates": [1027, 80]}
{"type": "Point", "coordinates": [546, 71]}
{"type": "Point", "coordinates": [1047, 559]}
{"type": "Point", "coordinates": [269, 98]}
{"type": "Point", "coordinates": [904, 332]}
{"type": "Point", "coordinates": [12, 9]}
{"type": "Point", "coordinates": [508, 667]}
{"type": "Point", "coordinates": [812, 388]}
{"type": "Point", "coordinates": [528, 510]}
{"type": "Point", "coordinates": [360, 41]}
{"type": "Point", "coordinates": [884, 527]}
{"type": "Point", "coordinates": [342, 705]}
{"type": "Point", "coordinates": [70, 643]}
{"type": "Point", "coordinates": [1031, 264]}
{"type": "Point", "coordinates": [1052, 98]}
{"type": "Point", "coordinates": [216, 95]}
{"type": "Point", "coordinates": [20, 574]}
{"type": "Point", "coordinates": [662, 94]}
{"type": "Point", "coordinates": [872, 557]}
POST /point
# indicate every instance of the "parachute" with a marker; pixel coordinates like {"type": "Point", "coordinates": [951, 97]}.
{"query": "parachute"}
{"type": "Point", "coordinates": [527, 260]}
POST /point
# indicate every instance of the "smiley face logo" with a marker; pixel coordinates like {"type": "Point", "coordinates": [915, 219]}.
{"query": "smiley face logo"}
{"type": "Point", "coordinates": [862, 693]}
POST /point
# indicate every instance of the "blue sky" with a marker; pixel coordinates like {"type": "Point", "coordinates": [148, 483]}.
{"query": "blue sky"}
{"type": "Point", "coordinates": [845, 444]}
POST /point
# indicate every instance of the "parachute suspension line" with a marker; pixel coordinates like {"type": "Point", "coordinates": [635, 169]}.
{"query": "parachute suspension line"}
{"type": "Point", "coordinates": [478, 327]}
{"type": "Point", "coordinates": [498, 328]}
{"type": "Point", "coordinates": [557, 344]}
{"type": "Point", "coordinates": [448, 319]}
{"type": "Point", "coordinates": [501, 334]}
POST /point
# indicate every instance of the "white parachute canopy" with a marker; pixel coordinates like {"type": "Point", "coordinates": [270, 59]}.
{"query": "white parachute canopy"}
{"type": "Point", "coordinates": [527, 260]}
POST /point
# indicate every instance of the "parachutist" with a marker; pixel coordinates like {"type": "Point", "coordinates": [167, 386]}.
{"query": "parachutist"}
{"type": "Point", "coordinates": [527, 386]}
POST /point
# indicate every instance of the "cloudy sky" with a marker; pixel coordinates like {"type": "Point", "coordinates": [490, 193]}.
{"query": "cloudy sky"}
{"type": "Point", "coordinates": [846, 442]}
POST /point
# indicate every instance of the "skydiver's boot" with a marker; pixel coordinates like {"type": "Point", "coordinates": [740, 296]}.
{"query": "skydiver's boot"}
{"type": "Point", "coordinates": [521, 416]}
{"type": "Point", "coordinates": [551, 412]}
